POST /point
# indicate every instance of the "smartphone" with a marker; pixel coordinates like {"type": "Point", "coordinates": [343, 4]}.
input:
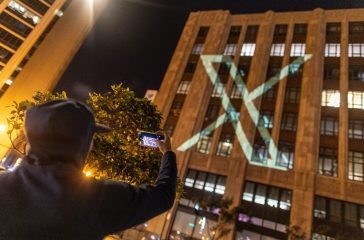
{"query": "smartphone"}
{"type": "Point", "coordinates": [148, 139]}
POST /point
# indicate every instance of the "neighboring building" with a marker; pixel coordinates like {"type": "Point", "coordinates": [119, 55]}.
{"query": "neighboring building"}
{"type": "Point", "coordinates": [315, 116]}
{"type": "Point", "coordinates": [38, 39]}
{"type": "Point", "coordinates": [151, 94]}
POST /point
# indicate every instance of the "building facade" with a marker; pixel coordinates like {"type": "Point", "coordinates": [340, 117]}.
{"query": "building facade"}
{"type": "Point", "coordinates": [314, 115]}
{"type": "Point", "coordinates": [38, 39]}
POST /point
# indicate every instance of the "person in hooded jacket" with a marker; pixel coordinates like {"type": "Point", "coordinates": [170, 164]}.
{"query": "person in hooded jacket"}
{"type": "Point", "coordinates": [48, 196]}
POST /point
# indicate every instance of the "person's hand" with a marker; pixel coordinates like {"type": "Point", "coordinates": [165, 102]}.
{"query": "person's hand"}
{"type": "Point", "coordinates": [164, 145]}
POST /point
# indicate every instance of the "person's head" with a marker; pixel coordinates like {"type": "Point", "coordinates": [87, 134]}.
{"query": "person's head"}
{"type": "Point", "coordinates": [60, 130]}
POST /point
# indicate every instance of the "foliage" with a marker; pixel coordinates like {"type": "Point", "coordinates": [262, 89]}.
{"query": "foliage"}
{"type": "Point", "coordinates": [115, 155]}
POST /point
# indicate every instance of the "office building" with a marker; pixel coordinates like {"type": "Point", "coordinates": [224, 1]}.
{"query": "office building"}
{"type": "Point", "coordinates": [38, 39]}
{"type": "Point", "coordinates": [314, 116]}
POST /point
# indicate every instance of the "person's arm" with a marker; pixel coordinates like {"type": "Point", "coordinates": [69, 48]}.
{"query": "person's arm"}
{"type": "Point", "coordinates": [124, 206]}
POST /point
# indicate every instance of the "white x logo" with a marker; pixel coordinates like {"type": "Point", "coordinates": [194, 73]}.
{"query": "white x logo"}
{"type": "Point", "coordinates": [232, 115]}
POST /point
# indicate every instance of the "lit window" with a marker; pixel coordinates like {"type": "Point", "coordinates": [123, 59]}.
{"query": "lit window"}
{"type": "Point", "coordinates": [277, 49]}
{"type": "Point", "coordinates": [24, 11]}
{"type": "Point", "coordinates": [356, 49]}
{"type": "Point", "coordinates": [230, 49]}
{"type": "Point", "coordinates": [197, 49]}
{"type": "Point", "coordinates": [332, 50]}
{"type": "Point", "coordinates": [200, 180]}
{"type": "Point", "coordinates": [9, 82]}
{"type": "Point", "coordinates": [356, 129]}
{"type": "Point", "coordinates": [356, 99]}
{"type": "Point", "coordinates": [204, 144]}
{"type": "Point", "coordinates": [218, 90]}
{"type": "Point", "coordinates": [356, 166]}
{"type": "Point", "coordinates": [248, 49]}
{"type": "Point", "coordinates": [260, 153]}
{"type": "Point", "coordinates": [210, 183]}
{"type": "Point", "coordinates": [220, 185]}
{"type": "Point", "coordinates": [184, 87]}
{"type": "Point", "coordinates": [285, 155]}
{"type": "Point", "coordinates": [298, 49]}
{"type": "Point", "coordinates": [190, 179]}
{"type": "Point", "coordinates": [330, 98]}
{"type": "Point", "coordinates": [225, 145]}
{"type": "Point", "coordinates": [248, 192]}
{"type": "Point", "coordinates": [260, 194]}
{"type": "Point", "coordinates": [328, 162]}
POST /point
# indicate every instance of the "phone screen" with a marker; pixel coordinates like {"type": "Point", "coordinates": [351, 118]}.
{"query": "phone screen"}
{"type": "Point", "coordinates": [149, 139]}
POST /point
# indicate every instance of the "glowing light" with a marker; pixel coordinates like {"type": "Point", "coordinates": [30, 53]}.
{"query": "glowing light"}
{"type": "Point", "coordinates": [2, 128]}
{"type": "Point", "coordinates": [9, 81]}
{"type": "Point", "coordinates": [247, 97]}
{"type": "Point", "coordinates": [59, 13]}
{"type": "Point", "coordinates": [88, 174]}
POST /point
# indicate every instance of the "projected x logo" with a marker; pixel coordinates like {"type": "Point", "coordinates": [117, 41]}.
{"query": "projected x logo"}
{"type": "Point", "coordinates": [233, 115]}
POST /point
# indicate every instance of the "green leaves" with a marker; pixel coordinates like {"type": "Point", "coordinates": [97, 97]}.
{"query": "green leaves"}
{"type": "Point", "coordinates": [116, 155]}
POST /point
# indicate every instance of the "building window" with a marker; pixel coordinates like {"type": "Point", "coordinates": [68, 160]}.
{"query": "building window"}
{"type": "Point", "coordinates": [235, 92]}
{"type": "Point", "coordinates": [330, 98]}
{"type": "Point", "coordinates": [356, 129]}
{"type": "Point", "coordinates": [203, 32]}
{"type": "Point", "coordinates": [176, 108]}
{"type": "Point", "coordinates": [234, 32]}
{"type": "Point", "coordinates": [230, 49]}
{"type": "Point", "coordinates": [218, 90]}
{"type": "Point", "coordinates": [197, 49]}
{"type": "Point", "coordinates": [328, 162]}
{"type": "Point", "coordinates": [356, 49]}
{"type": "Point", "coordinates": [191, 67]}
{"type": "Point", "coordinates": [212, 112]}
{"type": "Point", "coordinates": [331, 72]}
{"type": "Point", "coordinates": [15, 25]}
{"type": "Point", "coordinates": [356, 72]}
{"type": "Point", "coordinates": [333, 29]}
{"type": "Point", "coordinates": [332, 50]}
{"type": "Point", "coordinates": [356, 166]}
{"type": "Point", "coordinates": [285, 155]}
{"type": "Point", "coordinates": [184, 87]}
{"type": "Point", "coordinates": [273, 71]}
{"type": "Point", "coordinates": [204, 144]}
{"type": "Point", "coordinates": [36, 5]}
{"type": "Point", "coordinates": [225, 145]}
{"type": "Point", "coordinates": [289, 121]}
{"type": "Point", "coordinates": [356, 28]}
{"type": "Point", "coordinates": [329, 126]}
{"type": "Point", "coordinates": [292, 95]}
{"type": "Point", "coordinates": [260, 153]}
{"type": "Point", "coordinates": [280, 30]}
{"type": "Point", "coordinates": [266, 119]}
{"type": "Point", "coordinates": [277, 49]}
{"type": "Point", "coordinates": [9, 39]}
{"type": "Point", "coordinates": [266, 208]}
{"type": "Point", "coordinates": [207, 182]}
{"type": "Point", "coordinates": [300, 29]}
{"type": "Point", "coordinates": [356, 99]}
{"type": "Point", "coordinates": [269, 95]}
{"type": "Point", "coordinates": [169, 129]}
{"type": "Point", "coordinates": [5, 55]}
{"type": "Point", "coordinates": [298, 49]}
{"type": "Point", "coordinates": [248, 49]}
{"type": "Point", "coordinates": [224, 69]}
{"type": "Point", "coordinates": [21, 10]}
{"type": "Point", "coordinates": [338, 219]}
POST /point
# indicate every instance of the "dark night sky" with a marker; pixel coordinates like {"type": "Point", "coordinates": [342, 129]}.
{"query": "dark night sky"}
{"type": "Point", "coordinates": [133, 40]}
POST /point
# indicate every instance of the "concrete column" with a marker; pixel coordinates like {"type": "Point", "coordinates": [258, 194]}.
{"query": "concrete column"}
{"type": "Point", "coordinates": [307, 143]}
{"type": "Point", "coordinates": [343, 112]}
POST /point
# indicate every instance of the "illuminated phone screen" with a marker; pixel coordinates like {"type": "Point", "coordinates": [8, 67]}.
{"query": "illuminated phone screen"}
{"type": "Point", "coordinates": [149, 139]}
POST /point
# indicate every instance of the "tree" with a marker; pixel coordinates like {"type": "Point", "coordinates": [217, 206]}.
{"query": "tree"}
{"type": "Point", "coordinates": [115, 155]}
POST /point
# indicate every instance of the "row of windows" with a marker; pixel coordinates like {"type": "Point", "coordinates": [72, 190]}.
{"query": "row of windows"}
{"type": "Point", "coordinates": [9, 39]}
{"type": "Point", "coordinates": [331, 98]}
{"type": "Point", "coordinates": [285, 154]}
{"type": "Point", "coordinates": [15, 25]}
{"type": "Point", "coordinates": [355, 50]}
{"type": "Point", "coordinates": [22, 11]}
{"type": "Point", "coordinates": [36, 5]}
{"type": "Point", "coordinates": [343, 220]}
{"type": "Point", "coordinates": [206, 181]}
